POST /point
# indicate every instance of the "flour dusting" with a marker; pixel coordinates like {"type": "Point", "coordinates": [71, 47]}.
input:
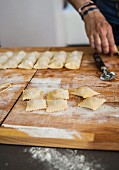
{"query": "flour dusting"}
{"type": "Point", "coordinates": [46, 132]}
{"type": "Point", "coordinates": [83, 114]}
{"type": "Point", "coordinates": [46, 80]}
{"type": "Point", "coordinates": [13, 78]}
{"type": "Point", "coordinates": [68, 160]}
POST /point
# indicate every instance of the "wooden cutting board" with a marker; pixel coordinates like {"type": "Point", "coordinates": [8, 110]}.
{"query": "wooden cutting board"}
{"type": "Point", "coordinates": [75, 127]}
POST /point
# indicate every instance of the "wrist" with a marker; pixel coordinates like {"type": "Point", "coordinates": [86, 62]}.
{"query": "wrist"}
{"type": "Point", "coordinates": [89, 12]}
{"type": "Point", "coordinates": [85, 5]}
{"type": "Point", "coordinates": [93, 15]}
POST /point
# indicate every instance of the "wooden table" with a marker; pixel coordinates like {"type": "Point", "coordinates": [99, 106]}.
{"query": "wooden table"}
{"type": "Point", "coordinates": [73, 128]}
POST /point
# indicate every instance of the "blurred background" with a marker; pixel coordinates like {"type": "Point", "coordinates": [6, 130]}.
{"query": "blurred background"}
{"type": "Point", "coordinates": [29, 23]}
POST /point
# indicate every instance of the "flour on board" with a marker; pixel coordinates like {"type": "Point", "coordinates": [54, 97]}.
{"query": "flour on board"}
{"type": "Point", "coordinates": [46, 132]}
{"type": "Point", "coordinates": [13, 78]}
{"type": "Point", "coordinates": [46, 80]}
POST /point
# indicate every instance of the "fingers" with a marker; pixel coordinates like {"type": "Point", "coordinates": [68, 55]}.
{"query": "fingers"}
{"type": "Point", "coordinates": [92, 42]}
{"type": "Point", "coordinates": [98, 43]}
{"type": "Point", "coordinates": [103, 40]}
{"type": "Point", "coordinates": [111, 41]}
{"type": "Point", "coordinates": [99, 33]}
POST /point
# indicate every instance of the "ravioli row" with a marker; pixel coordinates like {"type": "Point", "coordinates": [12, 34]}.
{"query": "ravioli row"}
{"type": "Point", "coordinates": [41, 60]}
{"type": "Point", "coordinates": [57, 99]}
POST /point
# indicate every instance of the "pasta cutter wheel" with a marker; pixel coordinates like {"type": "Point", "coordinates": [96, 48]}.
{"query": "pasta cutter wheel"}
{"type": "Point", "coordinates": [100, 64]}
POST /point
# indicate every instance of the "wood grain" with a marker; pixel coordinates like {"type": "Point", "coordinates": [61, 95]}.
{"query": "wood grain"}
{"type": "Point", "coordinates": [75, 127]}
{"type": "Point", "coordinates": [13, 136]}
{"type": "Point", "coordinates": [19, 80]}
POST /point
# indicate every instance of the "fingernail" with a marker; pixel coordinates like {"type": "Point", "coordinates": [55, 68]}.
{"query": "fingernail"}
{"type": "Point", "coordinates": [92, 45]}
{"type": "Point", "coordinates": [111, 54]}
{"type": "Point", "coordinates": [105, 51]}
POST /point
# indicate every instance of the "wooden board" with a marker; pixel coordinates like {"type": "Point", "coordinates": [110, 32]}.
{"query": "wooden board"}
{"type": "Point", "coordinates": [75, 127]}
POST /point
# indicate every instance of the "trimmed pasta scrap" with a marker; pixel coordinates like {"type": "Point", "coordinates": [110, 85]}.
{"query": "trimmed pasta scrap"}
{"type": "Point", "coordinates": [4, 87]}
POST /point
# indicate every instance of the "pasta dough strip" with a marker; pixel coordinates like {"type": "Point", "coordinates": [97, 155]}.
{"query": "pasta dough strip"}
{"type": "Point", "coordinates": [4, 87]}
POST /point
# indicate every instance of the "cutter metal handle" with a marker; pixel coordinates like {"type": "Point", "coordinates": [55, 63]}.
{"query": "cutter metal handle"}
{"type": "Point", "coordinates": [100, 64]}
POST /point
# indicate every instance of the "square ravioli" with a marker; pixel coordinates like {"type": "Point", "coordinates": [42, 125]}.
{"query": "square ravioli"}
{"type": "Point", "coordinates": [57, 64]}
{"type": "Point", "coordinates": [32, 93]}
{"type": "Point", "coordinates": [73, 64]}
{"type": "Point", "coordinates": [84, 92]}
{"type": "Point", "coordinates": [15, 60]}
{"type": "Point", "coordinates": [41, 64]}
{"type": "Point", "coordinates": [56, 105]}
{"type": "Point", "coordinates": [73, 60]}
{"type": "Point", "coordinates": [58, 94]}
{"type": "Point", "coordinates": [92, 103]}
{"type": "Point", "coordinates": [29, 60]}
{"type": "Point", "coordinates": [36, 104]}
{"type": "Point", "coordinates": [4, 57]}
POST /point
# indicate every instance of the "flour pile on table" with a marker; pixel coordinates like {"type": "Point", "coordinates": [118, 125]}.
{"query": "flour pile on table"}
{"type": "Point", "coordinates": [66, 160]}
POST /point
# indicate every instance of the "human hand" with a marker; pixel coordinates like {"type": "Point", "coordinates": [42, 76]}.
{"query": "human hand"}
{"type": "Point", "coordinates": [99, 32]}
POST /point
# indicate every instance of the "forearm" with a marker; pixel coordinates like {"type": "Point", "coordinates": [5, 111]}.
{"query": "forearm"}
{"type": "Point", "coordinates": [78, 3]}
{"type": "Point", "coordinates": [97, 28]}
